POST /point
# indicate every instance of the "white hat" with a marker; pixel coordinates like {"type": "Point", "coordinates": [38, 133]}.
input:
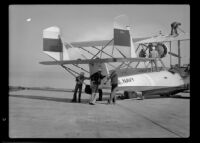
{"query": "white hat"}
{"type": "Point", "coordinates": [153, 48]}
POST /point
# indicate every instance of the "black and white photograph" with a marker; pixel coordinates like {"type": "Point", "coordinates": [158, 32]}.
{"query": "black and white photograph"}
{"type": "Point", "coordinates": [99, 71]}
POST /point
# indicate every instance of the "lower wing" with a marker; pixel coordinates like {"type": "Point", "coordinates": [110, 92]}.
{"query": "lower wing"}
{"type": "Point", "coordinates": [90, 61]}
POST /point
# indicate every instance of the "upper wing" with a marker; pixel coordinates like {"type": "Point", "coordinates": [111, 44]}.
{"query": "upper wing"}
{"type": "Point", "coordinates": [89, 43]}
{"type": "Point", "coordinates": [97, 43]}
{"type": "Point", "coordinates": [169, 38]}
{"type": "Point", "coordinates": [90, 61]}
{"type": "Point", "coordinates": [143, 40]}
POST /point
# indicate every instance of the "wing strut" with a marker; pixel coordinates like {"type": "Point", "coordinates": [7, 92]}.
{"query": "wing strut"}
{"type": "Point", "coordinates": [66, 68]}
{"type": "Point", "coordinates": [97, 56]}
{"type": "Point", "coordinates": [81, 68]}
{"type": "Point", "coordinates": [141, 44]}
{"type": "Point", "coordinates": [102, 51]}
{"type": "Point", "coordinates": [102, 48]}
{"type": "Point", "coordinates": [162, 63]}
{"type": "Point", "coordinates": [87, 51]}
{"type": "Point", "coordinates": [70, 71]}
{"type": "Point", "coordinates": [137, 65]}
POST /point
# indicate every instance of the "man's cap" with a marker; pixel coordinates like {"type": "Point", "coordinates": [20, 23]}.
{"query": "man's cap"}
{"type": "Point", "coordinates": [99, 69]}
{"type": "Point", "coordinates": [82, 73]}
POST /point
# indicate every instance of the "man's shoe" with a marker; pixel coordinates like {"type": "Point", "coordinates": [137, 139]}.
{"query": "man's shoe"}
{"type": "Point", "coordinates": [73, 100]}
{"type": "Point", "coordinates": [91, 103]}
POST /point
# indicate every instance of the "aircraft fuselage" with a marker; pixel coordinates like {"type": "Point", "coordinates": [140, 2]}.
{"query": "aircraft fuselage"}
{"type": "Point", "coordinates": [161, 82]}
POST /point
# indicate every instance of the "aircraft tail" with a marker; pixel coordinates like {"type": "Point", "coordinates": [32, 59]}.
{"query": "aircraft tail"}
{"type": "Point", "coordinates": [52, 44]}
{"type": "Point", "coordinates": [123, 41]}
{"type": "Point", "coordinates": [54, 47]}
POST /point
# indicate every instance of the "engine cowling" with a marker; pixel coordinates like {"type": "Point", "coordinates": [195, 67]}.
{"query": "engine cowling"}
{"type": "Point", "coordinates": [162, 49]}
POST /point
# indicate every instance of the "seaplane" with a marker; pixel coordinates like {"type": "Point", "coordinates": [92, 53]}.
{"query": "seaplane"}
{"type": "Point", "coordinates": [121, 50]}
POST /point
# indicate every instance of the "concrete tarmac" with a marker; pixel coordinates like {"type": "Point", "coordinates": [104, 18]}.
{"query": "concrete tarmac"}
{"type": "Point", "coordinates": [48, 114]}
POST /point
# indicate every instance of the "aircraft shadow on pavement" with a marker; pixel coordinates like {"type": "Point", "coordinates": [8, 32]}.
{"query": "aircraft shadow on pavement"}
{"type": "Point", "coordinates": [56, 99]}
{"type": "Point", "coordinates": [83, 101]}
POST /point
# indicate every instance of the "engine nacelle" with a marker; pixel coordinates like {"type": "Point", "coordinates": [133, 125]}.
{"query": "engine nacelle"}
{"type": "Point", "coordinates": [161, 48]}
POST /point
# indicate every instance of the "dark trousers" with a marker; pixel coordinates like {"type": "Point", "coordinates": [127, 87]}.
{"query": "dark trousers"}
{"type": "Point", "coordinates": [155, 63]}
{"type": "Point", "coordinates": [113, 93]}
{"type": "Point", "coordinates": [174, 31]}
{"type": "Point", "coordinates": [77, 87]}
{"type": "Point", "coordinates": [100, 94]}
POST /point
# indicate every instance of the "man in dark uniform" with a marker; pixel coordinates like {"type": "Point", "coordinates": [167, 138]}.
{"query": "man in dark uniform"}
{"type": "Point", "coordinates": [79, 84]}
{"type": "Point", "coordinates": [114, 84]}
{"type": "Point", "coordinates": [95, 82]}
{"type": "Point", "coordinates": [142, 53]}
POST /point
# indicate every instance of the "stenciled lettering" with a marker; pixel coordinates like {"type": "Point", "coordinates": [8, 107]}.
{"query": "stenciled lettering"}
{"type": "Point", "coordinates": [126, 80]}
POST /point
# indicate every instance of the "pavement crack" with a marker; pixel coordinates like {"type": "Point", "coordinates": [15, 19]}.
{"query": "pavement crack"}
{"type": "Point", "coordinates": [163, 127]}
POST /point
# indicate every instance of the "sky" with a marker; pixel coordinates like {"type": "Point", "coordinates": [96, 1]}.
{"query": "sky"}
{"type": "Point", "coordinates": [77, 23]}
